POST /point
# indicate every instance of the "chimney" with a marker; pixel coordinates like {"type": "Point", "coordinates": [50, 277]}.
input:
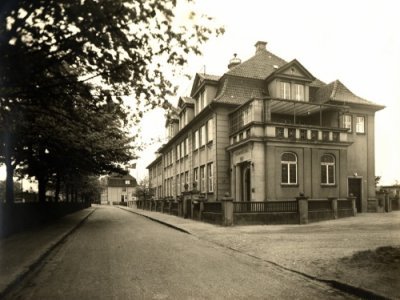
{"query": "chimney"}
{"type": "Point", "coordinates": [234, 61]}
{"type": "Point", "coordinates": [260, 46]}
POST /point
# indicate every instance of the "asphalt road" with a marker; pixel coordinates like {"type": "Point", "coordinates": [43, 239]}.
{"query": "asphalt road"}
{"type": "Point", "coordinates": [119, 255]}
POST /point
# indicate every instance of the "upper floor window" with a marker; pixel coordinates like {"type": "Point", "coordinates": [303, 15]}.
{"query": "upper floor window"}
{"type": "Point", "coordinates": [210, 130]}
{"type": "Point", "coordinates": [285, 89]}
{"type": "Point", "coordinates": [196, 140]}
{"type": "Point", "coordinates": [289, 168]}
{"type": "Point", "coordinates": [127, 182]}
{"type": "Point", "coordinates": [203, 135]}
{"type": "Point", "coordinates": [347, 122]}
{"type": "Point", "coordinates": [360, 124]}
{"type": "Point", "coordinates": [327, 169]}
{"type": "Point", "coordinates": [299, 92]}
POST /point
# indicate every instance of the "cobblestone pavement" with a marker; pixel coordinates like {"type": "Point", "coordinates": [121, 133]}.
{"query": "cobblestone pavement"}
{"type": "Point", "coordinates": [316, 249]}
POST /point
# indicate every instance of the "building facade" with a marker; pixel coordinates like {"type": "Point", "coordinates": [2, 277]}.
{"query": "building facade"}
{"type": "Point", "coordinates": [268, 130]}
{"type": "Point", "coordinates": [118, 188]}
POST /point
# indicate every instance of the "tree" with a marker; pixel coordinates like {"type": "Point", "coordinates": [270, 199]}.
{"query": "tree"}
{"type": "Point", "coordinates": [70, 62]}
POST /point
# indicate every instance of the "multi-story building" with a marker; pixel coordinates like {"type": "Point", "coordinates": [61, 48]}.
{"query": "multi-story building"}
{"type": "Point", "coordinates": [269, 130]}
{"type": "Point", "coordinates": [117, 188]}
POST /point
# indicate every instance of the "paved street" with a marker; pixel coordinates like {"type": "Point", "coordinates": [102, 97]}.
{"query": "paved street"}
{"type": "Point", "coordinates": [119, 255]}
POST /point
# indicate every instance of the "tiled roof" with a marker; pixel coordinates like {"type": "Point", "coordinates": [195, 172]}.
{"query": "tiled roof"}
{"type": "Point", "coordinates": [209, 76]}
{"type": "Point", "coordinates": [337, 91]}
{"type": "Point", "coordinates": [260, 66]}
{"type": "Point", "coordinates": [120, 181]}
{"type": "Point", "coordinates": [237, 90]}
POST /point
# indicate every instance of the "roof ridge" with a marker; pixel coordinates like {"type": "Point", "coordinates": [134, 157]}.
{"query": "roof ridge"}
{"type": "Point", "coordinates": [333, 94]}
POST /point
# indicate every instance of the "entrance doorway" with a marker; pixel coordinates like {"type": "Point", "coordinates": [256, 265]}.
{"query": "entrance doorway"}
{"type": "Point", "coordinates": [355, 189]}
{"type": "Point", "coordinates": [246, 182]}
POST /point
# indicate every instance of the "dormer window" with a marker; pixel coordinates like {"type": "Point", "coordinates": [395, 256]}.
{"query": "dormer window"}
{"type": "Point", "coordinates": [299, 92]}
{"type": "Point", "coordinates": [285, 90]}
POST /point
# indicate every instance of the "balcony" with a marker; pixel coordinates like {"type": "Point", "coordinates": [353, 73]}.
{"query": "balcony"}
{"type": "Point", "coordinates": [305, 133]}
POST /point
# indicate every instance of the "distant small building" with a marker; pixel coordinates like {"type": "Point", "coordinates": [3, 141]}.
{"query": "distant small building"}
{"type": "Point", "coordinates": [118, 188]}
{"type": "Point", "coordinates": [393, 190]}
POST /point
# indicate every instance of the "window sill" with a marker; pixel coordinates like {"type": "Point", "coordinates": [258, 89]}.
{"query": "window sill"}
{"type": "Point", "coordinates": [360, 133]}
{"type": "Point", "coordinates": [327, 185]}
{"type": "Point", "coordinates": [286, 185]}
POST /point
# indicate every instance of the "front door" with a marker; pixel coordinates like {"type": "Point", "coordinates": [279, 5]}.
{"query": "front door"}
{"type": "Point", "coordinates": [355, 189]}
{"type": "Point", "coordinates": [246, 183]}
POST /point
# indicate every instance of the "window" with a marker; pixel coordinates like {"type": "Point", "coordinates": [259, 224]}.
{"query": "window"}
{"type": "Point", "coordinates": [182, 182]}
{"type": "Point", "coordinates": [196, 176]}
{"type": "Point", "coordinates": [360, 127]}
{"type": "Point", "coordinates": [210, 130]}
{"type": "Point", "coordinates": [187, 177]}
{"type": "Point", "coordinates": [299, 92]}
{"type": "Point", "coordinates": [248, 133]}
{"type": "Point", "coordinates": [178, 152]}
{"type": "Point", "coordinates": [347, 120]}
{"type": "Point", "coordinates": [178, 185]}
{"type": "Point", "coordinates": [202, 179]}
{"type": "Point", "coordinates": [127, 182]}
{"type": "Point", "coordinates": [327, 169]}
{"type": "Point", "coordinates": [186, 146]}
{"type": "Point", "coordinates": [196, 140]}
{"type": "Point", "coordinates": [210, 177]}
{"type": "Point", "coordinates": [289, 168]}
{"type": "Point", "coordinates": [285, 90]}
{"type": "Point", "coordinates": [202, 135]}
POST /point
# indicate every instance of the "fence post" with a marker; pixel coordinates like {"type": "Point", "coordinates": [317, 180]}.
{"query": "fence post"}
{"type": "Point", "coordinates": [353, 204]}
{"type": "Point", "coordinates": [227, 210]}
{"type": "Point", "coordinates": [303, 208]}
{"type": "Point", "coordinates": [334, 206]}
{"type": "Point", "coordinates": [388, 202]}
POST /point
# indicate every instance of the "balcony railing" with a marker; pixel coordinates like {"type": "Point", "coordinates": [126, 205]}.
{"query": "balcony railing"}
{"type": "Point", "coordinates": [305, 133]}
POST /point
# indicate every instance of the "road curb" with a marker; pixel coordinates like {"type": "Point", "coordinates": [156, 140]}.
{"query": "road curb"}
{"type": "Point", "coordinates": [155, 220]}
{"type": "Point", "coordinates": [347, 288]}
{"type": "Point", "coordinates": [35, 262]}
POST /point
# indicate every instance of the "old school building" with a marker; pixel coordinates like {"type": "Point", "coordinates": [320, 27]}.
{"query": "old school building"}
{"type": "Point", "coordinates": [268, 130]}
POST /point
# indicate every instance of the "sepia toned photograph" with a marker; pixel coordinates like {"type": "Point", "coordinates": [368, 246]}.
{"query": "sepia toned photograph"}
{"type": "Point", "coordinates": [198, 149]}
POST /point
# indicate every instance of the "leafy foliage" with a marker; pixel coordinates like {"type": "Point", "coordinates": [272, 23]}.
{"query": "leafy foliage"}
{"type": "Point", "coordinates": [65, 66]}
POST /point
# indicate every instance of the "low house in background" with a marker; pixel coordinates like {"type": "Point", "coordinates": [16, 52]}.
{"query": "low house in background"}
{"type": "Point", "coordinates": [118, 188]}
{"type": "Point", "coordinates": [268, 130]}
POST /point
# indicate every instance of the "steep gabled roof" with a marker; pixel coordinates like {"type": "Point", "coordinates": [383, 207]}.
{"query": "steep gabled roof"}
{"type": "Point", "coordinates": [337, 91]}
{"type": "Point", "coordinates": [294, 63]}
{"type": "Point", "coordinates": [200, 78]}
{"type": "Point", "coordinates": [260, 66]}
{"type": "Point", "coordinates": [185, 101]}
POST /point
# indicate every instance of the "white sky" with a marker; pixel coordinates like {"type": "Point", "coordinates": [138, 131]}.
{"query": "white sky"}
{"type": "Point", "coordinates": [355, 41]}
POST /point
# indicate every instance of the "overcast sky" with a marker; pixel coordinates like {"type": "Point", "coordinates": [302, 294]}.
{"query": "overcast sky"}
{"type": "Point", "coordinates": [357, 42]}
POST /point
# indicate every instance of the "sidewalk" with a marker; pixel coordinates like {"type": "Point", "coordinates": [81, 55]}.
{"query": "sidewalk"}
{"type": "Point", "coordinates": [20, 252]}
{"type": "Point", "coordinates": [363, 252]}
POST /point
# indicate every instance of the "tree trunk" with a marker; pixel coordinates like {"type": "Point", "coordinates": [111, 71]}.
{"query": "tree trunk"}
{"type": "Point", "coordinates": [58, 186]}
{"type": "Point", "coordinates": [9, 168]}
{"type": "Point", "coordinates": [42, 182]}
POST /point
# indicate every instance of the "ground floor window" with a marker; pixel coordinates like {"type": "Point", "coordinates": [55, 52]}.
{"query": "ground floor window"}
{"type": "Point", "coordinates": [289, 168]}
{"type": "Point", "coordinates": [210, 177]}
{"type": "Point", "coordinates": [327, 169]}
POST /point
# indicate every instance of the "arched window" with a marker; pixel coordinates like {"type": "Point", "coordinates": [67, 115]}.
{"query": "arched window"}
{"type": "Point", "coordinates": [289, 168]}
{"type": "Point", "coordinates": [327, 169]}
